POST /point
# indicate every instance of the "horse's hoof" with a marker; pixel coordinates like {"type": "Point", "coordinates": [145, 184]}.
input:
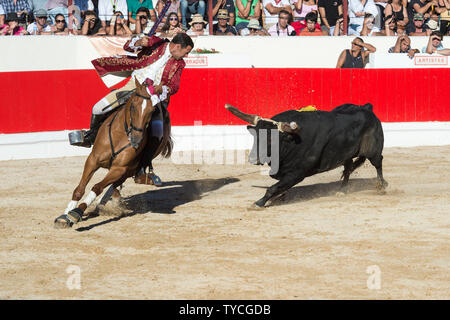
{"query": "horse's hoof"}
{"type": "Point", "coordinates": [255, 207]}
{"type": "Point", "coordinates": [63, 222]}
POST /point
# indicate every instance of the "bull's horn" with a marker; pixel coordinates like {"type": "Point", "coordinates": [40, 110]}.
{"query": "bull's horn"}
{"type": "Point", "coordinates": [289, 127]}
{"type": "Point", "coordinates": [250, 118]}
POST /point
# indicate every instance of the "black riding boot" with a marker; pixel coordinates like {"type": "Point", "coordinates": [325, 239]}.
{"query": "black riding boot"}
{"type": "Point", "coordinates": [90, 135]}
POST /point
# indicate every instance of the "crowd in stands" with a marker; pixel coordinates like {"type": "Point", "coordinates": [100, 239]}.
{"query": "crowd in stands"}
{"type": "Point", "coordinates": [276, 18]}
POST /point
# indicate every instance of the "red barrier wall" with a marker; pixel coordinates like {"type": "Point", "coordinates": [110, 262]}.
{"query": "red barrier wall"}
{"type": "Point", "coordinates": [61, 100]}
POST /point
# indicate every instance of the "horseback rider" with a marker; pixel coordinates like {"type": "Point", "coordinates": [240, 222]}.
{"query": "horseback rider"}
{"type": "Point", "coordinates": [158, 65]}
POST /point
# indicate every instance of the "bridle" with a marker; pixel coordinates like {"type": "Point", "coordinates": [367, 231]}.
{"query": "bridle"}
{"type": "Point", "coordinates": [128, 130]}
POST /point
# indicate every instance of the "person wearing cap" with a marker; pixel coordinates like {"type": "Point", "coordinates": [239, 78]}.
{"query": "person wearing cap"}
{"type": "Point", "coordinates": [40, 26]}
{"type": "Point", "coordinates": [12, 28]}
{"type": "Point", "coordinates": [222, 28]}
{"type": "Point", "coordinates": [421, 6]}
{"type": "Point", "coordinates": [198, 26]}
{"type": "Point", "coordinates": [224, 4]}
{"type": "Point", "coordinates": [254, 29]}
{"type": "Point", "coordinates": [418, 28]}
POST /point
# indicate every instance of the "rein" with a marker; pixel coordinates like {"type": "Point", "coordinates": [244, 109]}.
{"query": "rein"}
{"type": "Point", "coordinates": [128, 130]}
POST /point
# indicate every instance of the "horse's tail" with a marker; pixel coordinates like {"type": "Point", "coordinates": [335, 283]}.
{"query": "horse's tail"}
{"type": "Point", "coordinates": [167, 147]}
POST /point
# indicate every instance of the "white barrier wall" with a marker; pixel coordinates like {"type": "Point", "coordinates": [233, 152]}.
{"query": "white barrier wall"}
{"type": "Point", "coordinates": [31, 53]}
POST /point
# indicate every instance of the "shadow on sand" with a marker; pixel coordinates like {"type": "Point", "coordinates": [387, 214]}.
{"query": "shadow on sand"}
{"type": "Point", "coordinates": [303, 193]}
{"type": "Point", "coordinates": [162, 200]}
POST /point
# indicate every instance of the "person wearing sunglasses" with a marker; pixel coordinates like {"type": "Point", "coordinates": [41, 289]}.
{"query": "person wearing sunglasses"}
{"type": "Point", "coordinates": [118, 26]}
{"type": "Point", "coordinates": [59, 28]}
{"type": "Point", "coordinates": [133, 8]}
{"type": "Point", "coordinates": [40, 26]}
{"type": "Point", "coordinates": [171, 27]}
{"type": "Point", "coordinates": [143, 22]}
{"type": "Point", "coordinates": [175, 6]}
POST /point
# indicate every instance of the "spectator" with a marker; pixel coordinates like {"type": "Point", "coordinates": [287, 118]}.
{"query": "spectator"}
{"type": "Point", "coordinates": [198, 26]}
{"type": "Point", "coordinates": [272, 9]}
{"type": "Point", "coordinates": [421, 6]}
{"type": "Point", "coordinates": [357, 10]}
{"type": "Point", "coordinates": [192, 7]}
{"type": "Point", "coordinates": [55, 7]}
{"type": "Point", "coordinates": [172, 26]}
{"type": "Point", "coordinates": [118, 26]}
{"type": "Point", "coordinates": [330, 11]}
{"type": "Point", "coordinates": [312, 27]}
{"type": "Point", "coordinates": [92, 25]}
{"type": "Point", "coordinates": [106, 9]}
{"type": "Point", "coordinates": [302, 8]}
{"type": "Point", "coordinates": [397, 10]}
{"type": "Point", "coordinates": [381, 6]}
{"type": "Point", "coordinates": [282, 28]}
{"type": "Point", "coordinates": [391, 28]}
{"type": "Point", "coordinates": [12, 28]}
{"type": "Point", "coordinates": [175, 7]}
{"type": "Point", "coordinates": [357, 57]}
{"type": "Point", "coordinates": [133, 7]}
{"type": "Point", "coordinates": [59, 28]}
{"type": "Point", "coordinates": [144, 24]}
{"type": "Point", "coordinates": [35, 5]}
{"type": "Point", "coordinates": [40, 26]}
{"type": "Point", "coordinates": [434, 43]}
{"type": "Point", "coordinates": [222, 28]}
{"type": "Point", "coordinates": [444, 16]}
{"type": "Point", "coordinates": [338, 28]}
{"type": "Point", "coordinates": [83, 5]}
{"type": "Point", "coordinates": [246, 10]}
{"type": "Point", "coordinates": [224, 4]}
{"type": "Point", "coordinates": [369, 28]}
{"type": "Point", "coordinates": [418, 28]}
{"type": "Point", "coordinates": [254, 29]}
{"type": "Point", "coordinates": [21, 7]}
{"type": "Point", "coordinates": [2, 15]}
{"type": "Point", "coordinates": [403, 45]}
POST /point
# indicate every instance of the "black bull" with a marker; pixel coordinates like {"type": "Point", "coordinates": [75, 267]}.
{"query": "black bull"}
{"type": "Point", "coordinates": [297, 144]}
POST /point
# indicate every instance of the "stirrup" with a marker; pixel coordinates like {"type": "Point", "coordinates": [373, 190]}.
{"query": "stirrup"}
{"type": "Point", "coordinates": [78, 138]}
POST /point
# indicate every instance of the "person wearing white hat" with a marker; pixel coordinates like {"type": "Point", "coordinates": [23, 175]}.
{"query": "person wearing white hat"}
{"type": "Point", "coordinates": [254, 29]}
{"type": "Point", "coordinates": [198, 26]}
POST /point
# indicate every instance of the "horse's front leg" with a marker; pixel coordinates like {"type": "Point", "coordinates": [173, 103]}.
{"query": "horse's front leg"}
{"type": "Point", "coordinates": [66, 220]}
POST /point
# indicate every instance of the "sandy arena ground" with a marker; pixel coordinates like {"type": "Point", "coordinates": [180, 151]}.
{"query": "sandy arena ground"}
{"type": "Point", "coordinates": [195, 239]}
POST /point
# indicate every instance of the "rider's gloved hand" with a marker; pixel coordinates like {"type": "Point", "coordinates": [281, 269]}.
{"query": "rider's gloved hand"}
{"type": "Point", "coordinates": [150, 88]}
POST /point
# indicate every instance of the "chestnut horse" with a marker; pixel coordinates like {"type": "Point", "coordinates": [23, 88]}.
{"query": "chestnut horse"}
{"type": "Point", "coordinates": [118, 147]}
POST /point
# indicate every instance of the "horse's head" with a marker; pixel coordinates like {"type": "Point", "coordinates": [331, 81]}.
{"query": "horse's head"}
{"type": "Point", "coordinates": [141, 109]}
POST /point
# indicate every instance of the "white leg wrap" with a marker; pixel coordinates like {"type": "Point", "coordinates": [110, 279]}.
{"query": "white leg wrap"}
{"type": "Point", "coordinates": [90, 198]}
{"type": "Point", "coordinates": [72, 205]}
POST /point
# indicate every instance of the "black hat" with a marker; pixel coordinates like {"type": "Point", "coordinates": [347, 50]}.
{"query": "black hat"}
{"type": "Point", "coordinates": [12, 16]}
